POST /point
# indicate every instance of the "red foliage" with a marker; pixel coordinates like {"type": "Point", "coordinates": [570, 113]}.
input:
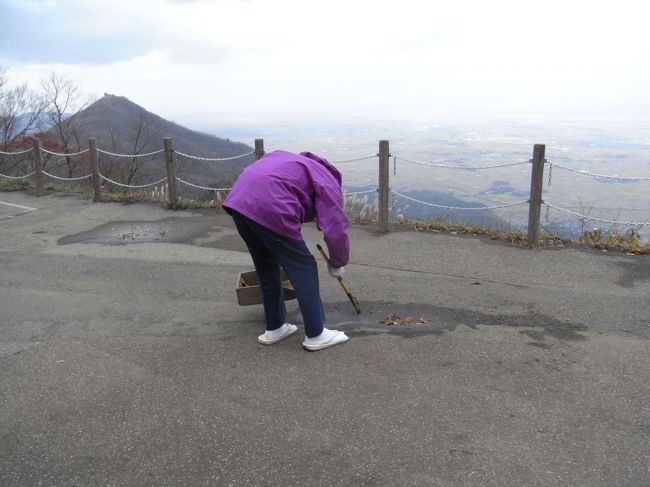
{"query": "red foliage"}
{"type": "Point", "coordinates": [47, 142]}
{"type": "Point", "coordinates": [27, 141]}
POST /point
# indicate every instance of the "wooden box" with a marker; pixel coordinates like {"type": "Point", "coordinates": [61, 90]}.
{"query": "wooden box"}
{"type": "Point", "coordinates": [249, 291]}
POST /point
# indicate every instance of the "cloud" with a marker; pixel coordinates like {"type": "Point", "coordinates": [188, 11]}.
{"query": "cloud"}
{"type": "Point", "coordinates": [337, 54]}
{"type": "Point", "coordinates": [87, 32]}
{"type": "Point", "coordinates": [61, 32]}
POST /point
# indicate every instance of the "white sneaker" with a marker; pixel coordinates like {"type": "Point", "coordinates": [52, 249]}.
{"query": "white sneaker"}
{"type": "Point", "coordinates": [325, 339]}
{"type": "Point", "coordinates": [269, 337]}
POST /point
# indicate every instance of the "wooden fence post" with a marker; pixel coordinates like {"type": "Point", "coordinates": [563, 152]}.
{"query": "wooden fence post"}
{"type": "Point", "coordinates": [171, 176]}
{"type": "Point", "coordinates": [382, 196]}
{"type": "Point", "coordinates": [259, 148]}
{"type": "Point", "coordinates": [536, 184]}
{"type": "Point", "coordinates": [38, 166]}
{"type": "Point", "coordinates": [94, 167]}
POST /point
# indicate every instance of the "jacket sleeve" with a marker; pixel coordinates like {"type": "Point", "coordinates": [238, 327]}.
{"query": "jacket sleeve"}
{"type": "Point", "coordinates": [332, 221]}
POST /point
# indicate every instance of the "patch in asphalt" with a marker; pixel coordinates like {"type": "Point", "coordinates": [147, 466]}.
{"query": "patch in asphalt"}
{"type": "Point", "coordinates": [639, 270]}
{"type": "Point", "coordinates": [173, 230]}
{"type": "Point", "coordinates": [435, 319]}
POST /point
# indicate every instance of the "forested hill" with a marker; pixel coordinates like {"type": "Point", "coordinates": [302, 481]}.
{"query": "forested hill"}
{"type": "Point", "coordinates": [121, 126]}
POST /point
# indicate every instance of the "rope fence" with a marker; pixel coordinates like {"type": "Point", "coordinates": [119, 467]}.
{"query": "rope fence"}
{"type": "Point", "coordinates": [383, 191]}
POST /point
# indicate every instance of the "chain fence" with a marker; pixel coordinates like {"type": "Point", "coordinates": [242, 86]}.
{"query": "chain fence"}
{"type": "Point", "coordinates": [551, 165]}
{"type": "Point", "coordinates": [459, 167]}
{"type": "Point", "coordinates": [17, 153]}
{"type": "Point", "coordinates": [18, 177]}
{"type": "Point", "coordinates": [132, 186]}
{"type": "Point", "coordinates": [213, 159]}
{"type": "Point", "coordinates": [66, 179]}
{"type": "Point", "coordinates": [208, 188]}
{"type": "Point", "coordinates": [64, 154]}
{"type": "Point", "coordinates": [593, 175]}
{"type": "Point", "coordinates": [580, 216]}
{"type": "Point", "coordinates": [357, 159]}
{"type": "Point", "coordinates": [131, 156]}
{"type": "Point", "coordinates": [396, 195]}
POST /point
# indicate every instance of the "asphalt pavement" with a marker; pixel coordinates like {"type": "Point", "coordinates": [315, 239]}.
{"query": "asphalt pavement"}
{"type": "Point", "coordinates": [125, 359]}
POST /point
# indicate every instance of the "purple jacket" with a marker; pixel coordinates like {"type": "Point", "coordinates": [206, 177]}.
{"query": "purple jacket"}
{"type": "Point", "coordinates": [282, 190]}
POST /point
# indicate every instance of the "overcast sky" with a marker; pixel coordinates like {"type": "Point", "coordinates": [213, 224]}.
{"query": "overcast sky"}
{"type": "Point", "coordinates": [296, 58]}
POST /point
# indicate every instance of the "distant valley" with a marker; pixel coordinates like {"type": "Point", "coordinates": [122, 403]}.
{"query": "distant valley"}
{"type": "Point", "coordinates": [608, 147]}
{"type": "Point", "coordinates": [618, 148]}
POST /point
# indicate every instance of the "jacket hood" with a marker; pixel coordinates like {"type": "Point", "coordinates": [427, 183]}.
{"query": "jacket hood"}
{"type": "Point", "coordinates": [324, 162]}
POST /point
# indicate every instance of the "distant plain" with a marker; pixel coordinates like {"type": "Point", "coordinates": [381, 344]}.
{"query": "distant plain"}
{"type": "Point", "coordinates": [604, 146]}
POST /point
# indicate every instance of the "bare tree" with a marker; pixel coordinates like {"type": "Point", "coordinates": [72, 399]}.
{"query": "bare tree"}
{"type": "Point", "coordinates": [141, 137]}
{"type": "Point", "coordinates": [144, 138]}
{"type": "Point", "coordinates": [65, 102]}
{"type": "Point", "coordinates": [20, 115]}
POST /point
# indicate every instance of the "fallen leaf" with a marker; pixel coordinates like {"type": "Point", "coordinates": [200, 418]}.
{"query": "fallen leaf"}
{"type": "Point", "coordinates": [395, 319]}
{"type": "Point", "coordinates": [391, 319]}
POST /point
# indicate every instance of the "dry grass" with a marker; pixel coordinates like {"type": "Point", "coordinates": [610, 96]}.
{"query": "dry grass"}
{"type": "Point", "coordinates": [359, 210]}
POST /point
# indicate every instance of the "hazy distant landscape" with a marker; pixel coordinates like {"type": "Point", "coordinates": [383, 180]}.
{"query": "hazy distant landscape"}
{"type": "Point", "coordinates": [614, 147]}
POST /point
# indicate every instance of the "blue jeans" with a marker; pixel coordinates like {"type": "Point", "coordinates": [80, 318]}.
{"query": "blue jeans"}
{"type": "Point", "coordinates": [271, 252]}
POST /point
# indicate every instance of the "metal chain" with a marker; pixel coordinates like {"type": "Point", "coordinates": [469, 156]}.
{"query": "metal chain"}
{"type": "Point", "coordinates": [130, 155]}
{"type": "Point", "coordinates": [201, 187]}
{"type": "Point", "coordinates": [214, 158]}
{"type": "Point", "coordinates": [461, 208]}
{"type": "Point", "coordinates": [64, 154]}
{"type": "Point", "coordinates": [550, 173]}
{"type": "Point", "coordinates": [602, 220]}
{"type": "Point", "coordinates": [66, 179]}
{"type": "Point", "coordinates": [132, 185]}
{"type": "Point", "coordinates": [345, 193]}
{"type": "Point", "coordinates": [466, 168]}
{"type": "Point", "coordinates": [602, 176]}
{"type": "Point", "coordinates": [18, 177]}
{"type": "Point", "coordinates": [372, 156]}
{"type": "Point", "coordinates": [16, 153]}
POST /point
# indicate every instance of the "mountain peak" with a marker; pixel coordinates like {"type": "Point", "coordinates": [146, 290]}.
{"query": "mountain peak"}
{"type": "Point", "coordinates": [115, 121]}
{"type": "Point", "coordinates": [122, 126]}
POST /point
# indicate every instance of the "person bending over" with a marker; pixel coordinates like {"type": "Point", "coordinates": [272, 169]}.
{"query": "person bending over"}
{"type": "Point", "coordinates": [269, 202]}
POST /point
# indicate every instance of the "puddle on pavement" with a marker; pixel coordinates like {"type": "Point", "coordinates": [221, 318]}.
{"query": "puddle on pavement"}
{"type": "Point", "coordinates": [174, 230]}
{"type": "Point", "coordinates": [633, 272]}
{"type": "Point", "coordinates": [429, 320]}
